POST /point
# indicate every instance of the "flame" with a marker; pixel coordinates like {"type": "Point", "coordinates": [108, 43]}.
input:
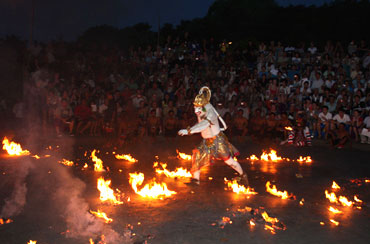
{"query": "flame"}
{"type": "Point", "coordinates": [345, 202]}
{"type": "Point", "coordinates": [151, 190]}
{"type": "Point", "coordinates": [357, 199]}
{"type": "Point", "coordinates": [334, 222]}
{"type": "Point", "coordinates": [32, 242]}
{"type": "Point", "coordinates": [322, 223]}
{"type": "Point", "coordinates": [334, 210]}
{"type": "Point", "coordinates": [253, 157]}
{"type": "Point", "coordinates": [275, 192]}
{"type": "Point", "coordinates": [239, 189]}
{"type": "Point", "coordinates": [179, 172]}
{"type": "Point", "coordinates": [106, 193]}
{"type": "Point", "coordinates": [269, 219]}
{"type": "Point", "coordinates": [307, 159]}
{"type": "Point", "coordinates": [91, 241]}
{"type": "Point", "coordinates": [98, 166]}
{"type": "Point", "coordinates": [342, 199]}
{"type": "Point", "coordinates": [335, 185]}
{"type": "Point", "coordinates": [66, 162]}
{"type": "Point", "coordinates": [251, 223]}
{"type": "Point", "coordinates": [271, 229]}
{"type": "Point", "coordinates": [367, 181]}
{"type": "Point", "coordinates": [183, 156]}
{"type": "Point", "coordinates": [288, 128]}
{"type": "Point", "coordinates": [86, 166]}
{"type": "Point", "coordinates": [14, 149]}
{"type": "Point", "coordinates": [102, 215]}
{"type": "Point", "coordinates": [8, 221]}
{"type": "Point", "coordinates": [331, 196]}
{"type": "Point", "coordinates": [36, 156]}
{"type": "Point", "coordinates": [301, 202]}
{"type": "Point", "coordinates": [126, 157]}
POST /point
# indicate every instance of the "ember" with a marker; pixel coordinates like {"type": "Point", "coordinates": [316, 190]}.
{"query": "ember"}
{"type": "Point", "coordinates": [106, 193]}
{"type": "Point", "coordinates": [126, 157]}
{"type": "Point", "coordinates": [8, 221]}
{"type": "Point", "coordinates": [275, 192]}
{"type": "Point", "coordinates": [151, 190]}
{"type": "Point", "coordinates": [239, 189]}
{"type": "Point", "coordinates": [32, 242]}
{"type": "Point", "coordinates": [335, 185]}
{"type": "Point", "coordinates": [66, 162]}
{"type": "Point", "coordinates": [179, 172]}
{"type": "Point", "coordinates": [288, 128]}
{"type": "Point", "coordinates": [334, 210]}
{"type": "Point", "coordinates": [98, 166]}
{"type": "Point", "coordinates": [183, 156]}
{"type": "Point", "coordinates": [14, 149]}
{"type": "Point", "coordinates": [102, 215]}
{"type": "Point", "coordinates": [334, 222]}
{"type": "Point", "coordinates": [304, 159]}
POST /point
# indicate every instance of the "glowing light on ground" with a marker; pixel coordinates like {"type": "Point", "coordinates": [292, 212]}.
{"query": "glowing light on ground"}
{"type": "Point", "coordinates": [183, 156]}
{"type": "Point", "coordinates": [150, 190]}
{"type": "Point", "coordinates": [339, 200]}
{"type": "Point", "coordinates": [102, 215]}
{"type": "Point", "coordinates": [334, 222]}
{"type": "Point", "coordinates": [334, 210]}
{"type": "Point", "coordinates": [273, 190]}
{"type": "Point", "coordinates": [239, 189]}
{"type": "Point", "coordinates": [14, 149]}
{"type": "Point", "coordinates": [8, 221]}
{"type": "Point", "coordinates": [106, 193]}
{"type": "Point", "coordinates": [66, 162]}
{"type": "Point", "coordinates": [304, 159]}
{"type": "Point", "coordinates": [98, 166]}
{"type": "Point", "coordinates": [357, 199]}
{"type": "Point", "coordinates": [126, 157]}
{"type": "Point", "coordinates": [335, 185]}
{"type": "Point", "coordinates": [177, 173]}
{"type": "Point", "coordinates": [32, 242]}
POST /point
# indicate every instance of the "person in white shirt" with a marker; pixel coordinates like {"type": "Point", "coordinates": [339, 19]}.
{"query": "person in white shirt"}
{"type": "Point", "coordinates": [341, 117]}
{"type": "Point", "coordinates": [324, 123]}
{"type": "Point", "coordinates": [365, 133]}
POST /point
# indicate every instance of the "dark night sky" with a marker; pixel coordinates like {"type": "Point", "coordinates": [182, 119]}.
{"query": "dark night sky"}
{"type": "Point", "coordinates": [69, 18]}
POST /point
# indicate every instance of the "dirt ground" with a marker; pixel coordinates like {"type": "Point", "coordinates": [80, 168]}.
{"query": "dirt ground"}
{"type": "Point", "coordinates": [209, 213]}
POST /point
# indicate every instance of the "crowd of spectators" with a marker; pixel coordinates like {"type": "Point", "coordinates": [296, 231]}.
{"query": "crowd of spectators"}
{"type": "Point", "coordinates": [258, 89]}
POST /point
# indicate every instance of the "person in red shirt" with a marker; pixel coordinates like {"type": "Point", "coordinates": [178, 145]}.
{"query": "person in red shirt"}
{"type": "Point", "coordinates": [82, 115]}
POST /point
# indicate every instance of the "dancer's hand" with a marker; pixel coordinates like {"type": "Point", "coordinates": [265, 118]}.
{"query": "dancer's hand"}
{"type": "Point", "coordinates": [182, 132]}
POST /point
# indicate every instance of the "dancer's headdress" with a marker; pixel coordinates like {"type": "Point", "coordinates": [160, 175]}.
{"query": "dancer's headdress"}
{"type": "Point", "coordinates": [203, 97]}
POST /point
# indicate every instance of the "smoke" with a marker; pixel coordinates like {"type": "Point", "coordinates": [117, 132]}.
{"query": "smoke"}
{"type": "Point", "coordinates": [80, 223]}
{"type": "Point", "coordinates": [15, 203]}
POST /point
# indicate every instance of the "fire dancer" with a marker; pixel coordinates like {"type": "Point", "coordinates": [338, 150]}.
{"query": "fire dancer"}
{"type": "Point", "coordinates": [215, 144]}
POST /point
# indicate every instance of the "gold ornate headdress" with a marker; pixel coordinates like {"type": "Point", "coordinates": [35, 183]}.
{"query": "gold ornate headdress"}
{"type": "Point", "coordinates": [203, 97]}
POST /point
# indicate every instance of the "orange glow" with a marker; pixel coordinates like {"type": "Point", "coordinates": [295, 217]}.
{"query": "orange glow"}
{"type": "Point", "coordinates": [253, 157]}
{"type": "Point", "coordinates": [334, 210]}
{"type": "Point", "coordinates": [14, 149]}
{"type": "Point", "coordinates": [86, 166]}
{"type": "Point", "coordinates": [32, 242]}
{"type": "Point", "coordinates": [288, 128]}
{"type": "Point", "coordinates": [239, 189]}
{"type": "Point", "coordinates": [98, 166]}
{"type": "Point", "coordinates": [335, 185]}
{"type": "Point", "coordinates": [36, 156]}
{"type": "Point", "coordinates": [251, 223]}
{"type": "Point", "coordinates": [301, 202]}
{"type": "Point", "coordinates": [322, 223]}
{"type": "Point", "coordinates": [8, 221]}
{"type": "Point", "coordinates": [183, 156]}
{"type": "Point", "coordinates": [102, 215]}
{"type": "Point", "coordinates": [179, 172]}
{"type": "Point", "coordinates": [271, 229]}
{"type": "Point", "coordinates": [357, 199]}
{"type": "Point", "coordinates": [126, 157]}
{"type": "Point", "coordinates": [367, 181]}
{"type": "Point", "coordinates": [150, 190]}
{"type": "Point", "coordinates": [106, 193]}
{"type": "Point", "coordinates": [304, 159]}
{"type": "Point", "coordinates": [334, 222]}
{"type": "Point", "coordinates": [345, 202]}
{"type": "Point", "coordinates": [66, 162]}
{"type": "Point", "coordinates": [331, 196]}
{"type": "Point", "coordinates": [269, 219]}
{"type": "Point", "coordinates": [272, 190]}
{"type": "Point", "coordinates": [91, 241]}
